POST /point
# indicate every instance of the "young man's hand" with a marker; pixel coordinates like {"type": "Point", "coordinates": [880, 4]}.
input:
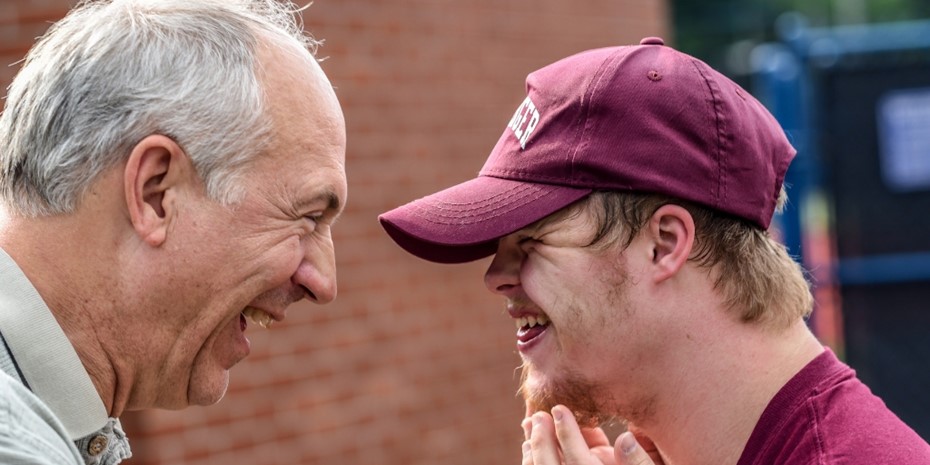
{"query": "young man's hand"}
{"type": "Point", "coordinates": [557, 439]}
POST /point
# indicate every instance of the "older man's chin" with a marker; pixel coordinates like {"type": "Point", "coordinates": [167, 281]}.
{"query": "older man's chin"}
{"type": "Point", "coordinates": [209, 391]}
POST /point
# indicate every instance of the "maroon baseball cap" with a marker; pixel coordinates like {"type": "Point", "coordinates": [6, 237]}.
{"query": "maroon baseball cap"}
{"type": "Point", "coordinates": [643, 118]}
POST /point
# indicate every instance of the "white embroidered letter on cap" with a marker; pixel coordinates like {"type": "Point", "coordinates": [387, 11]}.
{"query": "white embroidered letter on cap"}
{"type": "Point", "coordinates": [519, 124]}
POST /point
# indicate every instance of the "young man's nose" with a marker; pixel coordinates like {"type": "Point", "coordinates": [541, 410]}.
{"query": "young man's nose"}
{"type": "Point", "coordinates": [503, 275]}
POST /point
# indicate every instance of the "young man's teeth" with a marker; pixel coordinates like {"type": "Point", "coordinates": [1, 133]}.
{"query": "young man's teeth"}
{"type": "Point", "coordinates": [530, 321]}
{"type": "Point", "coordinates": [258, 317]}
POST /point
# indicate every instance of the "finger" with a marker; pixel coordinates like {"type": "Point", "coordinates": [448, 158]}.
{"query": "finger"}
{"type": "Point", "coordinates": [599, 444]}
{"type": "Point", "coordinates": [646, 443]}
{"type": "Point", "coordinates": [527, 453]}
{"type": "Point", "coordinates": [575, 450]}
{"type": "Point", "coordinates": [595, 437]}
{"type": "Point", "coordinates": [543, 441]}
{"type": "Point", "coordinates": [641, 437]}
{"type": "Point", "coordinates": [527, 425]}
{"type": "Point", "coordinates": [628, 452]}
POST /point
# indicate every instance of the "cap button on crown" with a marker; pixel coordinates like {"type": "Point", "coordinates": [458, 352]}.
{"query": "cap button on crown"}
{"type": "Point", "coordinates": [652, 41]}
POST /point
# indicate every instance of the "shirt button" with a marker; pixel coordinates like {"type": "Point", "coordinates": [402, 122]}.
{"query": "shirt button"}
{"type": "Point", "coordinates": [97, 445]}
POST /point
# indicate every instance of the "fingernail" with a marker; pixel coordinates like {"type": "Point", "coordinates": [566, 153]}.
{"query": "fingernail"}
{"type": "Point", "coordinates": [557, 414]}
{"type": "Point", "coordinates": [627, 443]}
{"type": "Point", "coordinates": [527, 449]}
{"type": "Point", "coordinates": [537, 420]}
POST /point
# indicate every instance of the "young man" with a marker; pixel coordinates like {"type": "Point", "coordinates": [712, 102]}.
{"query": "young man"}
{"type": "Point", "coordinates": [169, 171]}
{"type": "Point", "coordinates": [626, 206]}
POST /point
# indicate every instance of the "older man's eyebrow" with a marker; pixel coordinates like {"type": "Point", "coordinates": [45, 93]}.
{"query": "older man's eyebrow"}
{"type": "Point", "coordinates": [328, 195]}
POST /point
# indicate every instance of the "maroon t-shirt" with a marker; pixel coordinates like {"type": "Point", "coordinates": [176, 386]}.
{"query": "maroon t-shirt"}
{"type": "Point", "coordinates": [826, 416]}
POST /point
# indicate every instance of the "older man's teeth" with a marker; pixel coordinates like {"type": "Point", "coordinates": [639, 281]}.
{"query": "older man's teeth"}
{"type": "Point", "coordinates": [259, 317]}
{"type": "Point", "coordinates": [530, 321]}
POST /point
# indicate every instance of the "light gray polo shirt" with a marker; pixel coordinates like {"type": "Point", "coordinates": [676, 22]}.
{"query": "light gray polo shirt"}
{"type": "Point", "coordinates": [36, 352]}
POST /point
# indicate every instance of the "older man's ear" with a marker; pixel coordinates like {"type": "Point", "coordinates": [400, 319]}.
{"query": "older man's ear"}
{"type": "Point", "coordinates": [155, 171]}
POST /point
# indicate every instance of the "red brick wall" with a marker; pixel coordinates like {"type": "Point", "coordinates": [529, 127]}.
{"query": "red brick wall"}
{"type": "Point", "coordinates": [415, 362]}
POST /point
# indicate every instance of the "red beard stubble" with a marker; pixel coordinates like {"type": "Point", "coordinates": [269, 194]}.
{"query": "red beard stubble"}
{"type": "Point", "coordinates": [577, 395]}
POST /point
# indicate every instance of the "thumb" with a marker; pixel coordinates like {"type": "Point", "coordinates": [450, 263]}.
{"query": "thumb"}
{"type": "Point", "coordinates": [628, 452]}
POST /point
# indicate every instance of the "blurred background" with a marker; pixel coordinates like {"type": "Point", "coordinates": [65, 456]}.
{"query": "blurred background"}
{"type": "Point", "coordinates": [415, 362]}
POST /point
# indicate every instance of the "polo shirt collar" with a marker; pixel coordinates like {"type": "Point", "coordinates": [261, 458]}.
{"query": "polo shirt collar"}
{"type": "Point", "coordinates": [44, 354]}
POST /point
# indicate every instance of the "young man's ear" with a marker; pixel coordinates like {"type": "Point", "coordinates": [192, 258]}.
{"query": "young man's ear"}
{"type": "Point", "coordinates": [156, 168]}
{"type": "Point", "coordinates": [671, 229]}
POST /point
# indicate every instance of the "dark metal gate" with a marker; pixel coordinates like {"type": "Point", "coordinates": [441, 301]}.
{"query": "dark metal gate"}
{"type": "Point", "coordinates": [856, 102]}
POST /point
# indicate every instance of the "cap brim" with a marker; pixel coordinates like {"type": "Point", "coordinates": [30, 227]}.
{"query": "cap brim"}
{"type": "Point", "coordinates": [463, 223]}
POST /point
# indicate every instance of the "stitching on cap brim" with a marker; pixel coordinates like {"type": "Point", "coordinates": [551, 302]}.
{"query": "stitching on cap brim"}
{"type": "Point", "coordinates": [457, 231]}
{"type": "Point", "coordinates": [479, 210]}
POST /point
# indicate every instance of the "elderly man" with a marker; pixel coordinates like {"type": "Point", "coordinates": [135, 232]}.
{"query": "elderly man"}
{"type": "Point", "coordinates": [169, 172]}
{"type": "Point", "coordinates": [626, 206]}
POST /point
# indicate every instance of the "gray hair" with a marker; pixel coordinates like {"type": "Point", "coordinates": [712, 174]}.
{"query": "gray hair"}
{"type": "Point", "coordinates": [113, 72]}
